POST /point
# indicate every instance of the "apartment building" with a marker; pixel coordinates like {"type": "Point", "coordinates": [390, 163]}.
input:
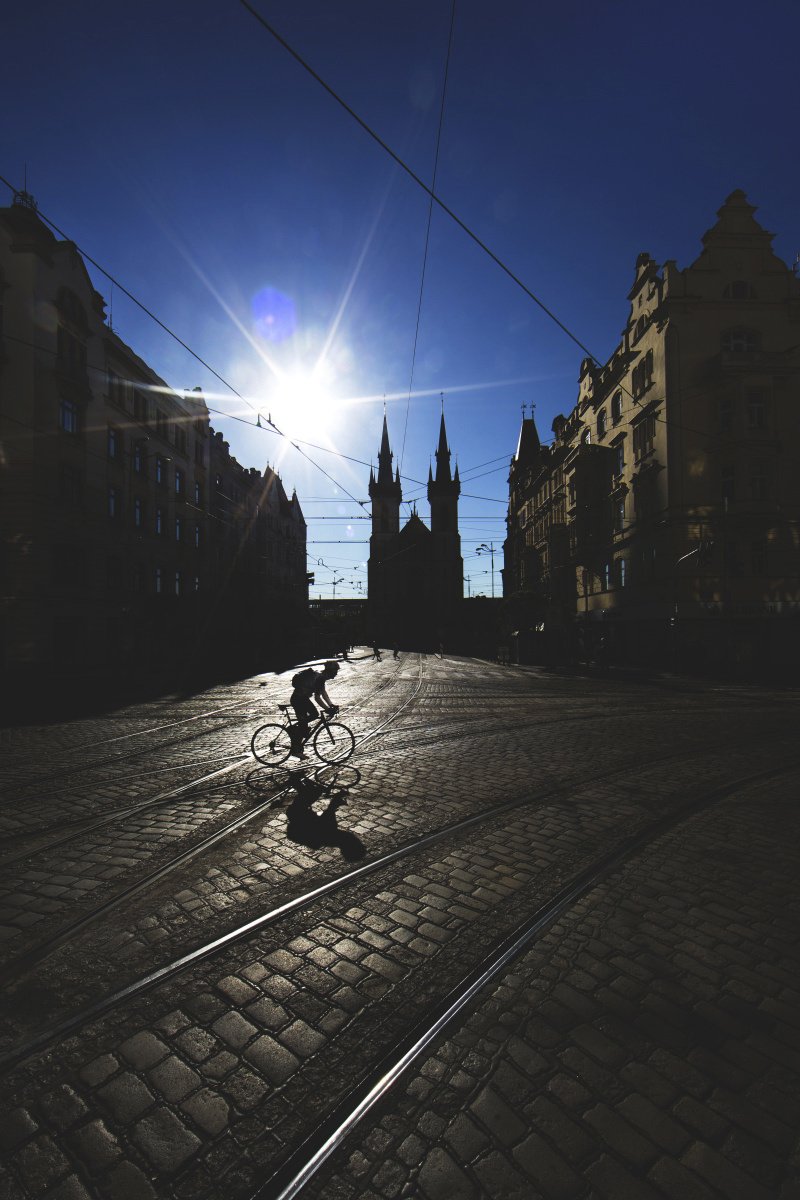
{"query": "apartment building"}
{"type": "Point", "coordinates": [130, 540]}
{"type": "Point", "coordinates": [662, 521]}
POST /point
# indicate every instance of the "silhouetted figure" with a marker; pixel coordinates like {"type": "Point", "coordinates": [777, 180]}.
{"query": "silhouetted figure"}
{"type": "Point", "coordinates": [306, 684]}
{"type": "Point", "coordinates": [312, 829]}
{"type": "Point", "coordinates": [376, 652]}
{"type": "Point", "coordinates": [395, 651]}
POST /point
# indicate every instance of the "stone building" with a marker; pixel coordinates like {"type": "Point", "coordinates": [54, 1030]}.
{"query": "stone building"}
{"type": "Point", "coordinates": [415, 574]}
{"type": "Point", "coordinates": [662, 522]}
{"type": "Point", "coordinates": [130, 540]}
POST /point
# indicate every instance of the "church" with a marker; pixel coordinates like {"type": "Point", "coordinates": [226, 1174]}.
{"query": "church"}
{"type": "Point", "coordinates": [415, 573]}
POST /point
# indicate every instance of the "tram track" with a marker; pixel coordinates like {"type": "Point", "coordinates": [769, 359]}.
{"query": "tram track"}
{"type": "Point", "coordinates": [31, 957]}
{"type": "Point", "coordinates": [143, 805]}
{"type": "Point", "coordinates": [326, 1135]}
{"type": "Point", "coordinates": [339, 883]}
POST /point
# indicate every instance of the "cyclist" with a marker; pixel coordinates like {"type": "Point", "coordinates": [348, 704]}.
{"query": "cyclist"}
{"type": "Point", "coordinates": [306, 684]}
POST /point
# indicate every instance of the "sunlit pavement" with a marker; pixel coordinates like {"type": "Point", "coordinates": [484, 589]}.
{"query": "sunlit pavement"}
{"type": "Point", "coordinates": [645, 1043]}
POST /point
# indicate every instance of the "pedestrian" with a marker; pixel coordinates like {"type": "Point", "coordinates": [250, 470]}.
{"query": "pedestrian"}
{"type": "Point", "coordinates": [376, 652]}
{"type": "Point", "coordinates": [395, 651]}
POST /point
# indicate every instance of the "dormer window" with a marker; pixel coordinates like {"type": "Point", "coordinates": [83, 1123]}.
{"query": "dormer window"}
{"type": "Point", "coordinates": [739, 289]}
{"type": "Point", "coordinates": [740, 341]}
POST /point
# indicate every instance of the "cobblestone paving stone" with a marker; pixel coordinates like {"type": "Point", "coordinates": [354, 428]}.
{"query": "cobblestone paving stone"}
{"type": "Point", "coordinates": [648, 1045]}
{"type": "Point", "coordinates": [196, 1088]}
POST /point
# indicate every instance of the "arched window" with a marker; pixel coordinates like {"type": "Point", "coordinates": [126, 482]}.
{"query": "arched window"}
{"type": "Point", "coordinates": [616, 408]}
{"type": "Point", "coordinates": [601, 423]}
{"type": "Point", "coordinates": [586, 436]}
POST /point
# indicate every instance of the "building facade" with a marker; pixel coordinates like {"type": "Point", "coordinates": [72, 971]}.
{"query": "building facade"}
{"type": "Point", "coordinates": [130, 540]}
{"type": "Point", "coordinates": [663, 521]}
{"type": "Point", "coordinates": [415, 574]}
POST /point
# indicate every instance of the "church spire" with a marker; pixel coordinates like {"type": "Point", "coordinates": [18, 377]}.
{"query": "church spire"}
{"type": "Point", "coordinates": [442, 456]}
{"type": "Point", "coordinates": [385, 456]}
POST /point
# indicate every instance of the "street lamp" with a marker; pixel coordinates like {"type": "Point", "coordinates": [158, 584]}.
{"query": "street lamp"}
{"type": "Point", "coordinates": [335, 581]}
{"type": "Point", "coordinates": [484, 549]}
{"type": "Point", "coordinates": [467, 581]}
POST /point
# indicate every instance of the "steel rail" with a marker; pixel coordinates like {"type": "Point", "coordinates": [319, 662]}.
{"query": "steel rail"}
{"type": "Point", "coordinates": [304, 1162]}
{"type": "Point", "coordinates": [168, 970]}
{"type": "Point", "coordinates": [24, 962]}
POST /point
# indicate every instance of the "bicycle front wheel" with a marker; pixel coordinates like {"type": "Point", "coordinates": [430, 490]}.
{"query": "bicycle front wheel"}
{"type": "Point", "coordinates": [334, 743]}
{"type": "Point", "coordinates": [271, 745]}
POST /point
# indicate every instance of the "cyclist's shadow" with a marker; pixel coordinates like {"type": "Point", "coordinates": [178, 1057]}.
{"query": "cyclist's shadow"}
{"type": "Point", "coordinates": [314, 829]}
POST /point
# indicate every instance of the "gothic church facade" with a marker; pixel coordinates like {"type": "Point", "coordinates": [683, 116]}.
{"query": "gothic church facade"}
{"type": "Point", "coordinates": [415, 573]}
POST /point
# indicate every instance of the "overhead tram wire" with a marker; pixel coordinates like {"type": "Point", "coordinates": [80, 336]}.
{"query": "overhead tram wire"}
{"type": "Point", "coordinates": [148, 312]}
{"type": "Point", "coordinates": [413, 175]}
{"type": "Point", "coordinates": [444, 207]}
{"type": "Point", "coordinates": [428, 226]}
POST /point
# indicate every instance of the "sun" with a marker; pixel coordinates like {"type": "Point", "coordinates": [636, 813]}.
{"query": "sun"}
{"type": "Point", "coordinates": [304, 404]}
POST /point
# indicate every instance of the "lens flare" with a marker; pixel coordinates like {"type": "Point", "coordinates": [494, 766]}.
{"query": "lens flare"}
{"type": "Point", "coordinates": [273, 315]}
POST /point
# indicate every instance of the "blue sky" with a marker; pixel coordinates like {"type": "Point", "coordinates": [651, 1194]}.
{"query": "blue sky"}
{"type": "Point", "coordinates": [185, 150]}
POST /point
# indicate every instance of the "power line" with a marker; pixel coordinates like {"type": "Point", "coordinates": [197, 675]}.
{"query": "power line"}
{"type": "Point", "coordinates": [428, 226]}
{"type": "Point", "coordinates": [400, 162]}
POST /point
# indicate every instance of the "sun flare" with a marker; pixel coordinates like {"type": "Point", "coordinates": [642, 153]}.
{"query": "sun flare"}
{"type": "Point", "coordinates": [305, 405]}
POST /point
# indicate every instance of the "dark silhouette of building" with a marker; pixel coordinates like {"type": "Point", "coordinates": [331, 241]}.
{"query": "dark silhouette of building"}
{"type": "Point", "coordinates": [415, 573]}
{"type": "Point", "coordinates": [131, 543]}
{"type": "Point", "coordinates": [661, 525]}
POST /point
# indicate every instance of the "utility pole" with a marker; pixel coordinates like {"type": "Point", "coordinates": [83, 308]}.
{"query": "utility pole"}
{"type": "Point", "coordinates": [484, 549]}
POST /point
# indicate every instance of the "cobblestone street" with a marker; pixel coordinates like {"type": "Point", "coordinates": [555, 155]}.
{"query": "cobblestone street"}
{"type": "Point", "coordinates": [538, 937]}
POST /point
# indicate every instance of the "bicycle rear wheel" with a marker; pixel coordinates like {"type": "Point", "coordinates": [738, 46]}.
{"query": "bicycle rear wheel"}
{"type": "Point", "coordinates": [271, 745]}
{"type": "Point", "coordinates": [334, 743]}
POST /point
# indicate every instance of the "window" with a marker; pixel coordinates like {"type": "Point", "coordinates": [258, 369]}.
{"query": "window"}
{"type": "Point", "coordinates": [726, 409]}
{"type": "Point", "coordinates": [140, 406]}
{"type": "Point", "coordinates": [740, 341]}
{"type": "Point", "coordinates": [621, 566]}
{"type": "Point", "coordinates": [618, 460]}
{"type": "Point", "coordinates": [197, 583]}
{"type": "Point", "coordinates": [114, 443]}
{"type": "Point", "coordinates": [759, 481]}
{"type": "Point", "coordinates": [758, 557]}
{"type": "Point", "coordinates": [571, 490]}
{"type": "Point", "coordinates": [160, 473]}
{"type": "Point", "coordinates": [198, 492]}
{"type": "Point", "coordinates": [71, 352]}
{"type": "Point", "coordinates": [728, 483]}
{"type": "Point", "coordinates": [177, 583]}
{"type": "Point", "coordinates": [178, 481]}
{"type": "Point", "coordinates": [197, 537]}
{"type": "Point", "coordinates": [619, 516]}
{"type": "Point", "coordinates": [159, 521]}
{"type": "Point", "coordinates": [161, 424]}
{"type": "Point", "coordinates": [138, 512]}
{"type": "Point", "coordinates": [180, 439]}
{"type": "Point", "coordinates": [739, 289]}
{"type": "Point", "coordinates": [586, 437]}
{"type": "Point", "coordinates": [640, 326]}
{"type": "Point", "coordinates": [68, 415]}
{"type": "Point", "coordinates": [606, 576]}
{"type": "Point", "coordinates": [157, 581]}
{"type": "Point", "coordinates": [70, 485]}
{"type": "Point", "coordinates": [199, 454]}
{"type": "Point", "coordinates": [113, 503]}
{"type": "Point", "coordinates": [139, 461]}
{"type": "Point", "coordinates": [616, 408]}
{"type": "Point", "coordinates": [601, 423]}
{"type": "Point", "coordinates": [644, 436]}
{"type": "Point", "coordinates": [178, 529]}
{"type": "Point", "coordinates": [116, 389]}
{"type": "Point", "coordinates": [756, 400]}
{"type": "Point", "coordinates": [218, 482]}
{"type": "Point", "coordinates": [642, 375]}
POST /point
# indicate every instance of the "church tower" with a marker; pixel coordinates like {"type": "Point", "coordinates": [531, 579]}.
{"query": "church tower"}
{"type": "Point", "coordinates": [386, 494]}
{"type": "Point", "coordinates": [443, 492]}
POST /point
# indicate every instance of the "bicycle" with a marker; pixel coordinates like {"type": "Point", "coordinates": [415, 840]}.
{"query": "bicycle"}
{"type": "Point", "coordinates": [331, 741]}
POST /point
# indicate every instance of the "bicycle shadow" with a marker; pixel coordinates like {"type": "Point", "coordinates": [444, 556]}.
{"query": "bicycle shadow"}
{"type": "Point", "coordinates": [315, 830]}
